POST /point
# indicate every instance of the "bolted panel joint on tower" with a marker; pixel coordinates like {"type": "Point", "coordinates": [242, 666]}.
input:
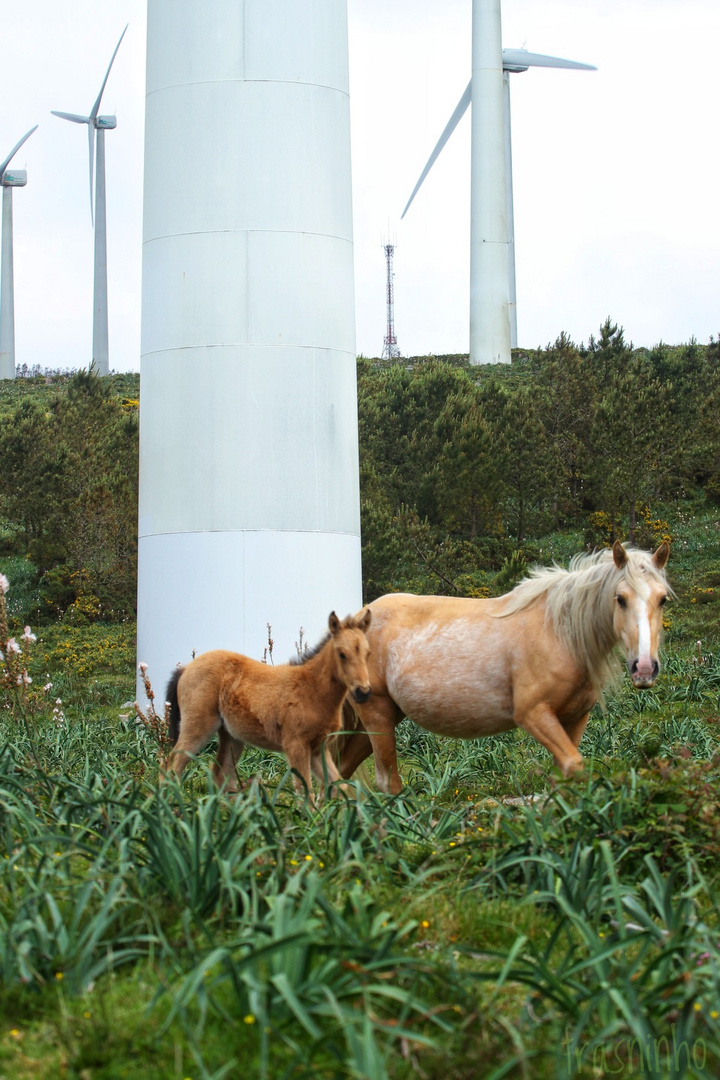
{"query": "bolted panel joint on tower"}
{"type": "Point", "coordinates": [390, 346]}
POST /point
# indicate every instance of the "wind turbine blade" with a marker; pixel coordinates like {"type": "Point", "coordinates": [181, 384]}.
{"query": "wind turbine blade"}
{"type": "Point", "coordinates": [452, 123]}
{"type": "Point", "coordinates": [14, 150]}
{"type": "Point", "coordinates": [521, 60]}
{"type": "Point", "coordinates": [96, 106]}
{"type": "Point", "coordinates": [91, 149]}
{"type": "Point", "coordinates": [71, 116]}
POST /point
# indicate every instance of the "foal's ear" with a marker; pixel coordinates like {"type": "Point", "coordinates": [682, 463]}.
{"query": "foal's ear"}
{"type": "Point", "coordinates": [333, 623]}
{"type": "Point", "coordinates": [363, 620]}
{"type": "Point", "coordinates": [619, 555]}
{"type": "Point", "coordinates": [662, 555]}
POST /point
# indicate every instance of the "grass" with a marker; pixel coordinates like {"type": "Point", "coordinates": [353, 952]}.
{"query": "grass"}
{"type": "Point", "coordinates": [170, 930]}
{"type": "Point", "coordinates": [460, 930]}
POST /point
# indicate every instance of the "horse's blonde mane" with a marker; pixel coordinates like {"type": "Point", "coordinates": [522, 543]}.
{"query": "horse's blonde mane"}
{"type": "Point", "coordinates": [579, 605]}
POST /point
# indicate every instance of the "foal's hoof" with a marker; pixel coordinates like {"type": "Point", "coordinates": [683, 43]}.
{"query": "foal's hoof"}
{"type": "Point", "coordinates": [573, 768]}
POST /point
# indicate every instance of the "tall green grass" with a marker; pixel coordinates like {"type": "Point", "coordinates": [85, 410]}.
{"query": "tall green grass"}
{"type": "Point", "coordinates": [493, 920]}
{"type": "Point", "coordinates": [374, 937]}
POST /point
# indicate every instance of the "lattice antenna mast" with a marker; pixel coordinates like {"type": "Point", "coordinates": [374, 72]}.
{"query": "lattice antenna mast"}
{"type": "Point", "coordinates": [390, 348]}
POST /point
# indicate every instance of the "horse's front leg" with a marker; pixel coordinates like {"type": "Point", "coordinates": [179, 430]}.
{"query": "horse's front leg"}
{"type": "Point", "coordinates": [379, 717]}
{"type": "Point", "coordinates": [576, 728]}
{"type": "Point", "coordinates": [356, 747]}
{"type": "Point", "coordinates": [298, 754]}
{"type": "Point", "coordinates": [542, 723]}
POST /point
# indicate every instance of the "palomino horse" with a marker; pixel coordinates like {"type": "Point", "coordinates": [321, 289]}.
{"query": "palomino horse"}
{"type": "Point", "coordinates": [291, 708]}
{"type": "Point", "coordinates": [537, 658]}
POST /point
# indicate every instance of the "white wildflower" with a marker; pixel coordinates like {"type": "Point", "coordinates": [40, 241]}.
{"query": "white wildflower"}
{"type": "Point", "coordinates": [12, 646]}
{"type": "Point", "coordinates": [4, 584]}
{"type": "Point", "coordinates": [28, 635]}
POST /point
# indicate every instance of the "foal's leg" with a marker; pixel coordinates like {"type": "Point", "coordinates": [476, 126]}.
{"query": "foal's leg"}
{"type": "Point", "coordinates": [228, 755]}
{"type": "Point", "coordinates": [195, 733]}
{"type": "Point", "coordinates": [298, 754]}
{"type": "Point", "coordinates": [324, 768]}
{"type": "Point", "coordinates": [542, 723]}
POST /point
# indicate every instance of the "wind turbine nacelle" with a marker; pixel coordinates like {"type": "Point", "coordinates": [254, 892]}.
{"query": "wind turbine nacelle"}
{"type": "Point", "coordinates": [515, 60]}
{"type": "Point", "coordinates": [105, 122]}
{"type": "Point", "coordinates": [16, 178]}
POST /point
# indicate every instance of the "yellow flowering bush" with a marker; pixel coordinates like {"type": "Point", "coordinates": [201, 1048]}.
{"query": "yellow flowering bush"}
{"type": "Point", "coordinates": [650, 532]}
{"type": "Point", "coordinates": [100, 649]}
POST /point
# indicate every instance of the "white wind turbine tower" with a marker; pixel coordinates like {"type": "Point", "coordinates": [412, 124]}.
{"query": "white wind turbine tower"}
{"type": "Point", "coordinates": [9, 180]}
{"type": "Point", "coordinates": [97, 126]}
{"type": "Point", "coordinates": [249, 507]}
{"type": "Point", "coordinates": [493, 312]}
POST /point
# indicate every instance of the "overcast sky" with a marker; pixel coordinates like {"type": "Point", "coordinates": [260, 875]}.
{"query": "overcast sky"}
{"type": "Point", "coordinates": [615, 171]}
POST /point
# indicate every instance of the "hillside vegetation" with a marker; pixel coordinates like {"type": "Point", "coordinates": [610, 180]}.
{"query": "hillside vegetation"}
{"type": "Point", "coordinates": [466, 470]}
{"type": "Point", "coordinates": [494, 920]}
{"type": "Point", "coordinates": [466, 473]}
{"type": "Point", "coordinates": [68, 495]}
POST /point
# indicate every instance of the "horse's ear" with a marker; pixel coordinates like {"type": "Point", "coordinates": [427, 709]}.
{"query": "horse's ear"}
{"type": "Point", "coordinates": [363, 620]}
{"type": "Point", "coordinates": [662, 555]}
{"type": "Point", "coordinates": [333, 623]}
{"type": "Point", "coordinates": [619, 555]}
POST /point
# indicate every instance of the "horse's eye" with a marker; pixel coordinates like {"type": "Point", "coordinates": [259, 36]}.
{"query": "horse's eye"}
{"type": "Point", "coordinates": [662, 601]}
{"type": "Point", "coordinates": [622, 601]}
{"type": "Point", "coordinates": [343, 656]}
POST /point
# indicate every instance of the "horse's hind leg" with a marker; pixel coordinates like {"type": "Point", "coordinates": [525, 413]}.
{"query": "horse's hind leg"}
{"type": "Point", "coordinates": [228, 755]}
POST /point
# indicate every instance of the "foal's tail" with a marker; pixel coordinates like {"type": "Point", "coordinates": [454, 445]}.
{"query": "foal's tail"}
{"type": "Point", "coordinates": [172, 700]}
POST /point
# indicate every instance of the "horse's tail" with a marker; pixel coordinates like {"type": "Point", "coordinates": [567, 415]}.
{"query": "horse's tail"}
{"type": "Point", "coordinates": [171, 698]}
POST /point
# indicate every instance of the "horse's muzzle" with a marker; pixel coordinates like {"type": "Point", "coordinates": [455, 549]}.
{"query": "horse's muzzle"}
{"type": "Point", "coordinates": [644, 674]}
{"type": "Point", "coordinates": [361, 695]}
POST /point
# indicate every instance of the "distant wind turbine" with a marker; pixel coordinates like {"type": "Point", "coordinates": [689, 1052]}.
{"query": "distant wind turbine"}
{"type": "Point", "coordinates": [9, 179]}
{"type": "Point", "coordinates": [97, 126]}
{"type": "Point", "coordinates": [493, 312]}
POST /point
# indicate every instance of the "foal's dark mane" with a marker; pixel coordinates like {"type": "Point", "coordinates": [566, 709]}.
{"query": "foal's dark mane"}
{"type": "Point", "coordinates": [298, 661]}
